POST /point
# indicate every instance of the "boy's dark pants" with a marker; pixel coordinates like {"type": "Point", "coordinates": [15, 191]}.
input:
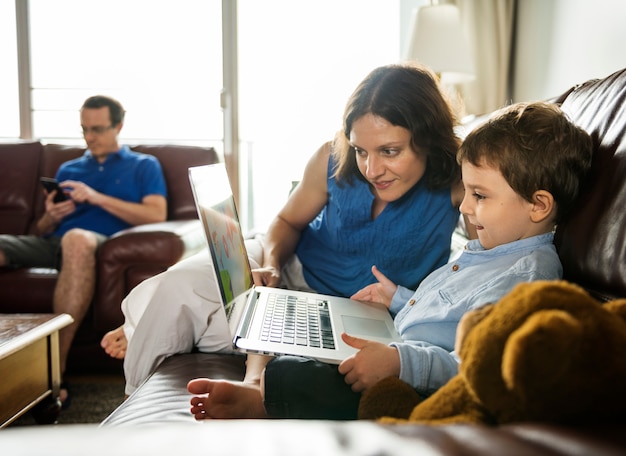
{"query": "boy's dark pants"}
{"type": "Point", "coordinates": [303, 388]}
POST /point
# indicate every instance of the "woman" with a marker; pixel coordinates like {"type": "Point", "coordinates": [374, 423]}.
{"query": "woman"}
{"type": "Point", "coordinates": [386, 191]}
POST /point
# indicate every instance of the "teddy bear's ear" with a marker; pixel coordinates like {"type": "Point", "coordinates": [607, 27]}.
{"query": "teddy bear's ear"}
{"type": "Point", "coordinates": [542, 344]}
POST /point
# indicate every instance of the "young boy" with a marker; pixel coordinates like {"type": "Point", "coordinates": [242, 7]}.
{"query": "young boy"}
{"type": "Point", "coordinates": [522, 171]}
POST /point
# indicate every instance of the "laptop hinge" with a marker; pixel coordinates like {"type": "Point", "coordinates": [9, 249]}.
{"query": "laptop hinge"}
{"type": "Point", "coordinates": [246, 320]}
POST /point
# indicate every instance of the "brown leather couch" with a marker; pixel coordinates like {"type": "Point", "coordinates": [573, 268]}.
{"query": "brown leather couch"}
{"type": "Point", "coordinates": [592, 246]}
{"type": "Point", "coordinates": [124, 260]}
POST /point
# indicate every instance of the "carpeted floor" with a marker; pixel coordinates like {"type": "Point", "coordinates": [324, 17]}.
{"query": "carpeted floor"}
{"type": "Point", "coordinates": [93, 399]}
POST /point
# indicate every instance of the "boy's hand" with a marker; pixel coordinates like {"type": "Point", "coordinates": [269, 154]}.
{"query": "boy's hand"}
{"type": "Point", "coordinates": [380, 292]}
{"type": "Point", "coordinates": [373, 362]}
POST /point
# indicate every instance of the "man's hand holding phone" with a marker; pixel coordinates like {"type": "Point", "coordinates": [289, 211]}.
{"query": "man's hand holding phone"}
{"type": "Point", "coordinates": [51, 185]}
{"type": "Point", "coordinates": [58, 203]}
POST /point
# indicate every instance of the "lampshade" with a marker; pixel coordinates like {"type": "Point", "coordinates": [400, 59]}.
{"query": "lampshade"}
{"type": "Point", "coordinates": [437, 41]}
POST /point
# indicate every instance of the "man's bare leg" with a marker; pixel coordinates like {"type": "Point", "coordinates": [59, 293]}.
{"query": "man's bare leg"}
{"type": "Point", "coordinates": [75, 286]}
{"type": "Point", "coordinates": [114, 343]}
{"type": "Point", "coordinates": [222, 399]}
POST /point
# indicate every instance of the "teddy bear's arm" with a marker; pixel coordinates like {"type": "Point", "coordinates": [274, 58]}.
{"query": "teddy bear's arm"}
{"type": "Point", "coordinates": [452, 403]}
{"type": "Point", "coordinates": [388, 397]}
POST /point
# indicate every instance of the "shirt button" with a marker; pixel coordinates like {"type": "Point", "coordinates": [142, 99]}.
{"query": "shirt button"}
{"type": "Point", "coordinates": [411, 302]}
{"type": "Point", "coordinates": [455, 267]}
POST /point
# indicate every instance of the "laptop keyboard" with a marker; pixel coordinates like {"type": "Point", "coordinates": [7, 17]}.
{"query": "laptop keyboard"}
{"type": "Point", "coordinates": [298, 321]}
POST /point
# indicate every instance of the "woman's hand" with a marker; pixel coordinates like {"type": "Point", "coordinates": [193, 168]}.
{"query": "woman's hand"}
{"type": "Point", "coordinates": [380, 292]}
{"type": "Point", "coordinates": [267, 276]}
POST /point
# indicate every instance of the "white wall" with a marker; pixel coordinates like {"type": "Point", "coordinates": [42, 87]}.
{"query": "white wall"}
{"type": "Point", "coordinates": [561, 43]}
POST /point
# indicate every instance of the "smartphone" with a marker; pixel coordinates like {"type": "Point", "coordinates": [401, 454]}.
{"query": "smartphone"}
{"type": "Point", "coordinates": [50, 185]}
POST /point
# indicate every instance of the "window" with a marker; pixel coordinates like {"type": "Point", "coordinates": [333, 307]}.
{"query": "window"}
{"type": "Point", "coordinates": [9, 102]}
{"type": "Point", "coordinates": [160, 58]}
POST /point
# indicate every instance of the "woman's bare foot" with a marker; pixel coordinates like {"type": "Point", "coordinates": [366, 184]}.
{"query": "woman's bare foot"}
{"type": "Point", "coordinates": [222, 399]}
{"type": "Point", "coordinates": [114, 343]}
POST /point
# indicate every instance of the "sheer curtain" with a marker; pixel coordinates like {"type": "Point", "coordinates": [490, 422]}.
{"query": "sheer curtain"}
{"type": "Point", "coordinates": [490, 28]}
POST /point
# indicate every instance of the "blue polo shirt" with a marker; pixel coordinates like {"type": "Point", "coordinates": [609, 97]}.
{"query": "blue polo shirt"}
{"type": "Point", "coordinates": [126, 175]}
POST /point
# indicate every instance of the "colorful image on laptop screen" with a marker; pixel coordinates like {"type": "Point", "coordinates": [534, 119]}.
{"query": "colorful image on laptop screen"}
{"type": "Point", "coordinates": [227, 249]}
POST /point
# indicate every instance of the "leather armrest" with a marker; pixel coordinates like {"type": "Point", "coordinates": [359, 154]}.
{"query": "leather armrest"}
{"type": "Point", "coordinates": [190, 233]}
{"type": "Point", "coordinates": [132, 255]}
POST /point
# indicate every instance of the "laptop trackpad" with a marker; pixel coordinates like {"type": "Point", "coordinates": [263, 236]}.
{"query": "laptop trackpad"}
{"type": "Point", "coordinates": [358, 326]}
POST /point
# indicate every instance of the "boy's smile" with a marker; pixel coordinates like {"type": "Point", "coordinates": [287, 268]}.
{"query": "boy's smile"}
{"type": "Point", "coordinates": [499, 213]}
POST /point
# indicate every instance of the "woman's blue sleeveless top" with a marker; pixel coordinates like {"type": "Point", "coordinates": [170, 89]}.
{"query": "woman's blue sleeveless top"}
{"type": "Point", "coordinates": [409, 239]}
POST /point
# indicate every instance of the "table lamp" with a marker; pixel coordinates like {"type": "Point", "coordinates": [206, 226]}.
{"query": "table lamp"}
{"type": "Point", "coordinates": [437, 41]}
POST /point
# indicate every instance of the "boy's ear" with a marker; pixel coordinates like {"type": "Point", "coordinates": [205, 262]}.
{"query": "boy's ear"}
{"type": "Point", "coordinates": [543, 206]}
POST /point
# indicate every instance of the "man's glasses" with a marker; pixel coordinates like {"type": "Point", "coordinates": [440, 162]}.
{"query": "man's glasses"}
{"type": "Point", "coordinates": [97, 130]}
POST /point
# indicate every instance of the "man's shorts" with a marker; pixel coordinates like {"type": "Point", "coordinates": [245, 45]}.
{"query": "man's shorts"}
{"type": "Point", "coordinates": [31, 251]}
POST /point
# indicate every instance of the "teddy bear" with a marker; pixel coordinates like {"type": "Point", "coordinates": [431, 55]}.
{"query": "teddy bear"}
{"type": "Point", "coordinates": [546, 352]}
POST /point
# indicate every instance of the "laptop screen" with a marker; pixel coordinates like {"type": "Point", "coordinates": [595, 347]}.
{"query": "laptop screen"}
{"type": "Point", "coordinates": [217, 211]}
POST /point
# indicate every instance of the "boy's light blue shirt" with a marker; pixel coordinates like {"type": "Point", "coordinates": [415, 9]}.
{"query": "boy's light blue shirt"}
{"type": "Point", "coordinates": [427, 318]}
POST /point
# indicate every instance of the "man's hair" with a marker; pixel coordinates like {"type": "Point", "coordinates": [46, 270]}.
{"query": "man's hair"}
{"type": "Point", "coordinates": [409, 96]}
{"type": "Point", "coordinates": [116, 111]}
{"type": "Point", "coordinates": [536, 147]}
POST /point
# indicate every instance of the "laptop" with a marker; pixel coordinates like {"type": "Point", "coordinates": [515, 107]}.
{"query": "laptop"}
{"type": "Point", "coordinates": [275, 321]}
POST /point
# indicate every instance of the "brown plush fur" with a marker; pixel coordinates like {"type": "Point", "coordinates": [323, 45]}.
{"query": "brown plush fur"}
{"type": "Point", "coordinates": [547, 351]}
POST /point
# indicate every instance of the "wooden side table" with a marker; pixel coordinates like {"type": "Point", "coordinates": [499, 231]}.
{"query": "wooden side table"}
{"type": "Point", "coordinates": [29, 361]}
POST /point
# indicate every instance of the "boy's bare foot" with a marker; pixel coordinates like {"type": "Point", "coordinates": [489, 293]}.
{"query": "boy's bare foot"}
{"type": "Point", "coordinates": [114, 343]}
{"type": "Point", "coordinates": [222, 399]}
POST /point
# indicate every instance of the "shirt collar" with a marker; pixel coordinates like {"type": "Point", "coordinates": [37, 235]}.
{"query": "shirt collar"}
{"type": "Point", "coordinates": [474, 245]}
{"type": "Point", "coordinates": [122, 153]}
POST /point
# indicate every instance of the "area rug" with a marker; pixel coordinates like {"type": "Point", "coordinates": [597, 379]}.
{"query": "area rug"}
{"type": "Point", "coordinates": [93, 399]}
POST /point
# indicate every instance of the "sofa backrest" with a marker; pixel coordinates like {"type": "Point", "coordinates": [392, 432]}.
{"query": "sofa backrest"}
{"type": "Point", "coordinates": [592, 241]}
{"type": "Point", "coordinates": [174, 159]}
{"type": "Point", "coordinates": [19, 185]}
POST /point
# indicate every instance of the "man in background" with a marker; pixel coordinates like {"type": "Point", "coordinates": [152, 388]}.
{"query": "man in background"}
{"type": "Point", "coordinates": [108, 189]}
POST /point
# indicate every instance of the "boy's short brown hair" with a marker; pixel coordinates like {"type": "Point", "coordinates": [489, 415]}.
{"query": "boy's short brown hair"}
{"type": "Point", "coordinates": [535, 147]}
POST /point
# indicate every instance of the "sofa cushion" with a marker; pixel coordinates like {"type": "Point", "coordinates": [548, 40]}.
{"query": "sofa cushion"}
{"type": "Point", "coordinates": [164, 397]}
{"type": "Point", "coordinates": [19, 174]}
{"type": "Point", "coordinates": [181, 204]}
